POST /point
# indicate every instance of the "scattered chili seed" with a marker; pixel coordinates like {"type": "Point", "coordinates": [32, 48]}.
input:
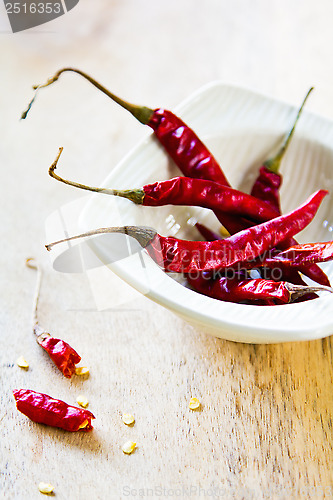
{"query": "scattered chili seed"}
{"type": "Point", "coordinates": [22, 363]}
{"type": "Point", "coordinates": [129, 447]}
{"type": "Point", "coordinates": [82, 401]}
{"type": "Point", "coordinates": [128, 419]}
{"type": "Point", "coordinates": [82, 370]}
{"type": "Point", "coordinates": [194, 404]}
{"type": "Point", "coordinates": [45, 488]}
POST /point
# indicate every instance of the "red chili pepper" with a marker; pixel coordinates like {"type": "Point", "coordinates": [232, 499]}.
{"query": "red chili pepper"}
{"type": "Point", "coordinates": [186, 191]}
{"type": "Point", "coordinates": [298, 255]}
{"type": "Point", "coordinates": [267, 185]}
{"type": "Point", "coordinates": [186, 256]}
{"type": "Point", "coordinates": [180, 141]}
{"type": "Point", "coordinates": [61, 353]}
{"type": "Point", "coordinates": [44, 409]}
{"type": "Point", "coordinates": [266, 188]}
{"type": "Point", "coordinates": [249, 290]}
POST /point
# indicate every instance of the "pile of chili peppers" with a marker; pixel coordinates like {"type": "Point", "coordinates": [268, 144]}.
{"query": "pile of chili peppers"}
{"type": "Point", "coordinates": [260, 238]}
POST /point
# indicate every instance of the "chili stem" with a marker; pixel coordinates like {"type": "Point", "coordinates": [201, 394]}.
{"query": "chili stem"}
{"type": "Point", "coordinates": [297, 291]}
{"type": "Point", "coordinates": [273, 164]}
{"type": "Point", "coordinates": [142, 234]}
{"type": "Point", "coordinates": [141, 113]}
{"type": "Point", "coordinates": [31, 262]}
{"type": "Point", "coordinates": [135, 195]}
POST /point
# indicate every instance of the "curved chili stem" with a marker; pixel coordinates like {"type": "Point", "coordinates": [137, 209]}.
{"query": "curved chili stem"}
{"type": "Point", "coordinates": [273, 164]}
{"type": "Point", "coordinates": [143, 235]}
{"type": "Point", "coordinates": [141, 113]}
{"type": "Point", "coordinates": [135, 195]}
{"type": "Point", "coordinates": [32, 263]}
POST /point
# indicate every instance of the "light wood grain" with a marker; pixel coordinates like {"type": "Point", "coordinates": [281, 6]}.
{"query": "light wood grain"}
{"type": "Point", "coordinates": [265, 427]}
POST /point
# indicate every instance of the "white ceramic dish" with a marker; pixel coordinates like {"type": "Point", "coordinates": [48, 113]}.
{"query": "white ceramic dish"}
{"type": "Point", "coordinates": [241, 128]}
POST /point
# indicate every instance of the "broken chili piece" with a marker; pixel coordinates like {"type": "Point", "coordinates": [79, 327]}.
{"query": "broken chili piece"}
{"type": "Point", "coordinates": [46, 410]}
{"type": "Point", "coordinates": [61, 353]}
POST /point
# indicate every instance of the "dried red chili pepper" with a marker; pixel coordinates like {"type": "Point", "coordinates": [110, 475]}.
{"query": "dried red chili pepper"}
{"type": "Point", "coordinates": [299, 255]}
{"type": "Point", "coordinates": [266, 186]}
{"type": "Point", "coordinates": [181, 143]}
{"type": "Point", "coordinates": [61, 353]}
{"type": "Point", "coordinates": [176, 255]}
{"type": "Point", "coordinates": [249, 290]}
{"type": "Point", "coordinates": [186, 191]}
{"type": "Point", "coordinates": [46, 410]}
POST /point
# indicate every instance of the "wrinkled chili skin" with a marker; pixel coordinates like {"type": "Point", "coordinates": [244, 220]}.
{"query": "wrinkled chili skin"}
{"type": "Point", "coordinates": [46, 410]}
{"type": "Point", "coordinates": [266, 188]}
{"type": "Point", "coordinates": [207, 194]}
{"type": "Point", "coordinates": [234, 290]}
{"type": "Point", "coordinates": [62, 354]}
{"type": "Point", "coordinates": [185, 148]}
{"type": "Point", "coordinates": [300, 255]}
{"type": "Point", "coordinates": [186, 256]}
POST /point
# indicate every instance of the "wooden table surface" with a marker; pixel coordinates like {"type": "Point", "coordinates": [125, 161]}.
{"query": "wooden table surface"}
{"type": "Point", "coordinates": [265, 426]}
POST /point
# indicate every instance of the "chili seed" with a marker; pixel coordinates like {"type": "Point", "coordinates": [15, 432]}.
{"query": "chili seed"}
{"type": "Point", "coordinates": [45, 488]}
{"type": "Point", "coordinates": [128, 419]}
{"type": "Point", "coordinates": [84, 424]}
{"type": "Point", "coordinates": [194, 404]}
{"type": "Point", "coordinates": [129, 447]}
{"type": "Point", "coordinates": [22, 363]}
{"type": "Point", "coordinates": [82, 401]}
{"type": "Point", "coordinates": [82, 370]}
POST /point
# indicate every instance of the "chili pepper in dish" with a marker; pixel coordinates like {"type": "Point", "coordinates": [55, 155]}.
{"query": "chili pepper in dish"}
{"type": "Point", "coordinates": [236, 290]}
{"type": "Point", "coordinates": [181, 143]}
{"type": "Point", "coordinates": [46, 410]}
{"type": "Point", "coordinates": [186, 191]}
{"type": "Point", "coordinates": [61, 353]}
{"type": "Point", "coordinates": [266, 186]}
{"type": "Point", "coordinates": [299, 255]}
{"type": "Point", "coordinates": [176, 255]}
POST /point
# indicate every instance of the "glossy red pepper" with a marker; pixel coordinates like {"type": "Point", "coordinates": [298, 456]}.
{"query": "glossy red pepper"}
{"type": "Point", "coordinates": [187, 191]}
{"type": "Point", "coordinates": [61, 353]}
{"type": "Point", "coordinates": [300, 255]}
{"type": "Point", "coordinates": [181, 143]}
{"type": "Point", "coordinates": [249, 290]}
{"type": "Point", "coordinates": [267, 185]}
{"type": "Point", "coordinates": [176, 255]}
{"type": "Point", "coordinates": [267, 188]}
{"type": "Point", "coordinates": [46, 410]}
